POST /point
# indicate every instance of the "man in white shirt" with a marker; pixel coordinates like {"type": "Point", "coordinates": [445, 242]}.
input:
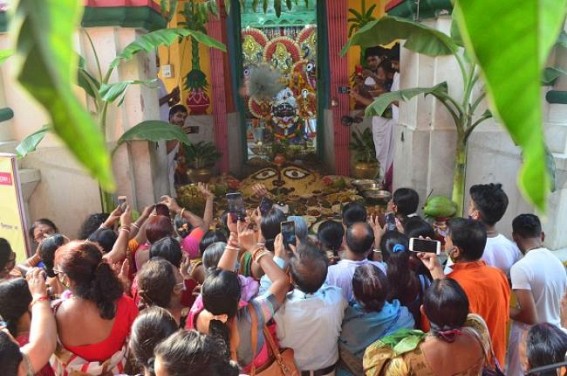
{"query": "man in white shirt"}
{"type": "Point", "coordinates": [310, 320]}
{"type": "Point", "coordinates": [359, 239]}
{"type": "Point", "coordinates": [539, 282]}
{"type": "Point", "coordinates": [488, 205]}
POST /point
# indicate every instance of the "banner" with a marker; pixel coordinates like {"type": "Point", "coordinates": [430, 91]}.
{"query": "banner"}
{"type": "Point", "coordinates": [12, 217]}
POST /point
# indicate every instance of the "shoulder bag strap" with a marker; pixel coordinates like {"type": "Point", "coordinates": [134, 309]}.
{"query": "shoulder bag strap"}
{"type": "Point", "coordinates": [253, 335]}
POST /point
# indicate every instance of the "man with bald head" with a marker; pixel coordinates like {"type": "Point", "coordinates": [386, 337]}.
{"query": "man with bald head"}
{"type": "Point", "coordinates": [359, 239]}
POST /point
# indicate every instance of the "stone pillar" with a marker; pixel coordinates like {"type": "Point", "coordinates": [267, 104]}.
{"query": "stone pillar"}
{"type": "Point", "coordinates": [337, 26]}
{"type": "Point", "coordinates": [426, 136]}
{"type": "Point", "coordinates": [132, 165]}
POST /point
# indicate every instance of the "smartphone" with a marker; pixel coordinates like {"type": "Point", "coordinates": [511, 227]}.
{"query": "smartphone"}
{"type": "Point", "coordinates": [344, 90]}
{"type": "Point", "coordinates": [265, 205]}
{"type": "Point", "coordinates": [236, 206]}
{"type": "Point", "coordinates": [390, 220]}
{"type": "Point", "coordinates": [425, 245]}
{"type": "Point", "coordinates": [288, 233]}
{"type": "Point", "coordinates": [122, 202]}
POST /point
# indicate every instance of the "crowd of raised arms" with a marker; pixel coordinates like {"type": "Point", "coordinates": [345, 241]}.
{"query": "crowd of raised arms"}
{"type": "Point", "coordinates": [173, 293]}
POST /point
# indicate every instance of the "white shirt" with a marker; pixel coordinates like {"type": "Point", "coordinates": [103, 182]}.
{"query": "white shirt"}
{"type": "Point", "coordinates": [310, 324]}
{"type": "Point", "coordinates": [164, 108]}
{"type": "Point", "coordinates": [501, 253]}
{"type": "Point", "coordinates": [544, 275]}
{"type": "Point", "coordinates": [341, 274]}
{"type": "Point", "coordinates": [395, 87]}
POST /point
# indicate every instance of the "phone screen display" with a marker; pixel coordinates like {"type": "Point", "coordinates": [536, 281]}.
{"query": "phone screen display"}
{"type": "Point", "coordinates": [391, 222]}
{"type": "Point", "coordinates": [425, 245]}
{"type": "Point", "coordinates": [265, 206]}
{"type": "Point", "coordinates": [236, 205]}
{"type": "Point", "coordinates": [288, 233]}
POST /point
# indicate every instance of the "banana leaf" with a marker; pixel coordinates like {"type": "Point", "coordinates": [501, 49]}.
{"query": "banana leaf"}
{"type": "Point", "coordinates": [153, 130]}
{"type": "Point", "coordinates": [381, 103]}
{"type": "Point", "coordinates": [111, 92]}
{"type": "Point", "coordinates": [48, 68]}
{"type": "Point", "coordinates": [519, 42]}
{"type": "Point", "coordinates": [30, 142]}
{"type": "Point", "coordinates": [419, 38]}
{"type": "Point", "coordinates": [164, 37]}
{"type": "Point", "coordinates": [5, 54]}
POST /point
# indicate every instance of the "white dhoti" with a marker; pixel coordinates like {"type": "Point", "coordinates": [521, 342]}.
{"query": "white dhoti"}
{"type": "Point", "coordinates": [383, 136]}
{"type": "Point", "coordinates": [515, 357]}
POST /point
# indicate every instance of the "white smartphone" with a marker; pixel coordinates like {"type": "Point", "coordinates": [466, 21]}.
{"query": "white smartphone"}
{"type": "Point", "coordinates": [425, 245]}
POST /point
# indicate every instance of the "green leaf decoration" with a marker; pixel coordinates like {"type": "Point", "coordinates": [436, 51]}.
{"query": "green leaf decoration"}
{"type": "Point", "coordinates": [111, 92]}
{"type": "Point", "coordinates": [5, 54]}
{"type": "Point", "coordinates": [381, 103]}
{"type": "Point", "coordinates": [419, 38]}
{"type": "Point", "coordinates": [30, 142]}
{"type": "Point", "coordinates": [288, 4]}
{"type": "Point", "coordinates": [519, 42]}
{"type": "Point", "coordinates": [45, 43]}
{"type": "Point", "coordinates": [164, 37]}
{"type": "Point", "coordinates": [154, 130]}
{"type": "Point", "coordinates": [550, 74]}
{"type": "Point", "coordinates": [277, 8]}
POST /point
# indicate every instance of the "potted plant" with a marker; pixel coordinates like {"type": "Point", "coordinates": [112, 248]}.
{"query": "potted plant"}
{"type": "Point", "coordinates": [200, 158]}
{"type": "Point", "coordinates": [365, 164]}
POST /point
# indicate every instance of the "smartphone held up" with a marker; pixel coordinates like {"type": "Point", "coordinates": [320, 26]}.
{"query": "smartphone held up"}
{"type": "Point", "coordinates": [288, 233]}
{"type": "Point", "coordinates": [425, 245]}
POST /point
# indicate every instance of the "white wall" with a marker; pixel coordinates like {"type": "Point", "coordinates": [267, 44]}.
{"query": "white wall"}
{"type": "Point", "coordinates": [425, 145]}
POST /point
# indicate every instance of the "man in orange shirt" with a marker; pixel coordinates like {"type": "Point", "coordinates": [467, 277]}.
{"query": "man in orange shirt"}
{"type": "Point", "coordinates": [486, 287]}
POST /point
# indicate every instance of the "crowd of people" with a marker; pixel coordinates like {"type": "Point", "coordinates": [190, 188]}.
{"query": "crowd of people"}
{"type": "Point", "coordinates": [174, 293]}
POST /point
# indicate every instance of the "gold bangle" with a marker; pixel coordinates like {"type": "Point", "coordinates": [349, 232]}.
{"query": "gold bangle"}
{"type": "Point", "coordinates": [135, 225]}
{"type": "Point", "coordinates": [125, 228]}
{"type": "Point", "coordinates": [259, 256]}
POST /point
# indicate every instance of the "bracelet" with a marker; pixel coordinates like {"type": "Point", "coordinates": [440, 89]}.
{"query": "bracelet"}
{"type": "Point", "coordinates": [125, 228]}
{"type": "Point", "coordinates": [257, 256]}
{"type": "Point", "coordinates": [103, 226]}
{"type": "Point", "coordinates": [256, 251]}
{"type": "Point", "coordinates": [43, 298]}
{"type": "Point", "coordinates": [376, 250]}
{"type": "Point", "coordinates": [181, 212]}
{"type": "Point", "coordinates": [136, 225]}
{"type": "Point", "coordinates": [260, 244]}
{"type": "Point", "coordinates": [232, 248]}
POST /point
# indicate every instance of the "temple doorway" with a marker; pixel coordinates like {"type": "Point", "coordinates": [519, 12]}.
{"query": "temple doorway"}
{"type": "Point", "coordinates": [287, 123]}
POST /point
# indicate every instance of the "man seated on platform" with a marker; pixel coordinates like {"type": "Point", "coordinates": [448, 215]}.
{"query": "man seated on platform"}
{"type": "Point", "coordinates": [310, 320]}
{"type": "Point", "coordinates": [359, 238]}
{"type": "Point", "coordinates": [177, 117]}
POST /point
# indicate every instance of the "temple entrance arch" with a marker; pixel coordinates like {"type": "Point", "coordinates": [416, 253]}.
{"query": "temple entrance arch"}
{"type": "Point", "coordinates": [290, 122]}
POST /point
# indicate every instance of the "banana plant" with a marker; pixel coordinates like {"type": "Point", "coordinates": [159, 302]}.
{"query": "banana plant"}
{"type": "Point", "coordinates": [463, 109]}
{"type": "Point", "coordinates": [103, 94]}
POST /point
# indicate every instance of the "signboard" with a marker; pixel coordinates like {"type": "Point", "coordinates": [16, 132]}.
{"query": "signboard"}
{"type": "Point", "coordinates": [12, 217]}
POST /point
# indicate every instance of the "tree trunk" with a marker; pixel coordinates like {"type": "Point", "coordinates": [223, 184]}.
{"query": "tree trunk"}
{"type": "Point", "coordinates": [458, 194]}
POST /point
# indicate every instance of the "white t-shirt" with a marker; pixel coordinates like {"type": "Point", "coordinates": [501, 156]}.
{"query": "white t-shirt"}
{"type": "Point", "coordinates": [341, 274]}
{"type": "Point", "coordinates": [544, 275]}
{"type": "Point", "coordinates": [501, 253]}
